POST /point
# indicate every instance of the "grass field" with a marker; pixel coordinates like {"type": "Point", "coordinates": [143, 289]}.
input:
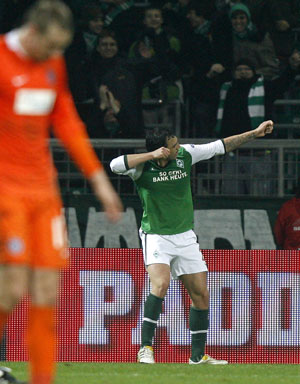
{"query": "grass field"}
{"type": "Point", "coordinates": [112, 373]}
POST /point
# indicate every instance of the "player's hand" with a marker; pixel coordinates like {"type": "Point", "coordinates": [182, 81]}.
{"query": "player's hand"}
{"type": "Point", "coordinates": [215, 69]}
{"type": "Point", "coordinates": [282, 25]}
{"type": "Point", "coordinates": [106, 194]}
{"type": "Point", "coordinates": [294, 60]}
{"type": "Point", "coordinates": [103, 97]}
{"type": "Point", "coordinates": [264, 128]}
{"type": "Point", "coordinates": [144, 51]}
{"type": "Point", "coordinates": [113, 103]}
{"type": "Point", "coordinates": [161, 153]}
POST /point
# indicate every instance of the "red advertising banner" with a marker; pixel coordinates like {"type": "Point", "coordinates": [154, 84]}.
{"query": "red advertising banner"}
{"type": "Point", "coordinates": [254, 309]}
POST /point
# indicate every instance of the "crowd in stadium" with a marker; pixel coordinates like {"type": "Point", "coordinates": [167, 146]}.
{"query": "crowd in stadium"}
{"type": "Point", "coordinates": [212, 56]}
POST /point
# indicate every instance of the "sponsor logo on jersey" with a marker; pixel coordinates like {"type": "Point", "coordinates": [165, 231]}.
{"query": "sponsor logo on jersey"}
{"type": "Point", "coordinates": [36, 102]}
{"type": "Point", "coordinates": [180, 163]}
{"type": "Point", "coordinates": [51, 76]}
{"type": "Point", "coordinates": [170, 175]}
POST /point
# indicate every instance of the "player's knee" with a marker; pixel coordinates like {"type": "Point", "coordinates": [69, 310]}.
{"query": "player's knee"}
{"type": "Point", "coordinates": [160, 288]}
{"type": "Point", "coordinates": [200, 298]}
{"type": "Point", "coordinates": [44, 298]}
{"type": "Point", "coordinates": [205, 297]}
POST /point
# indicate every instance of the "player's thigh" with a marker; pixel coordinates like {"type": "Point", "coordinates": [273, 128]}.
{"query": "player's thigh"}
{"type": "Point", "coordinates": [188, 258]}
{"type": "Point", "coordinates": [43, 286]}
{"type": "Point", "coordinates": [48, 236]}
{"type": "Point", "coordinates": [13, 284]}
{"type": "Point", "coordinates": [13, 231]}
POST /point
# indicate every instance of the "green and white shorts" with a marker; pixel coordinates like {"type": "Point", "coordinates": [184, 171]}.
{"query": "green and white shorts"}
{"type": "Point", "coordinates": [181, 252]}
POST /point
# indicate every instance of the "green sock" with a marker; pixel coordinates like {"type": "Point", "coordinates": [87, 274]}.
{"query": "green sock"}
{"type": "Point", "coordinates": [198, 328]}
{"type": "Point", "coordinates": [152, 310]}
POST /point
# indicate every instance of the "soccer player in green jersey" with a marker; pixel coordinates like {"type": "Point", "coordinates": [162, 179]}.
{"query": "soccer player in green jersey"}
{"type": "Point", "coordinates": [162, 177]}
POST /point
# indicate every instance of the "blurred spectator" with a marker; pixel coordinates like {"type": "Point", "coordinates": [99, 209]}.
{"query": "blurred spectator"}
{"type": "Point", "coordinates": [174, 14]}
{"type": "Point", "coordinates": [118, 83]}
{"type": "Point", "coordinates": [91, 23]}
{"type": "Point", "coordinates": [164, 47]}
{"type": "Point", "coordinates": [178, 6]}
{"type": "Point", "coordinates": [291, 114]}
{"type": "Point", "coordinates": [245, 102]}
{"type": "Point", "coordinates": [203, 92]}
{"type": "Point", "coordinates": [287, 225]}
{"type": "Point", "coordinates": [278, 18]}
{"type": "Point", "coordinates": [199, 15]}
{"type": "Point", "coordinates": [88, 28]}
{"type": "Point", "coordinates": [122, 17]}
{"type": "Point", "coordinates": [241, 38]}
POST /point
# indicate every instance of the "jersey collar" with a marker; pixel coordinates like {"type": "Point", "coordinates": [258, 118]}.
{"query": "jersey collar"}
{"type": "Point", "coordinates": [12, 40]}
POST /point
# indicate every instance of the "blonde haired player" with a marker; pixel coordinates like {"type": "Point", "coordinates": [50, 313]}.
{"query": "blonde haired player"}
{"type": "Point", "coordinates": [34, 97]}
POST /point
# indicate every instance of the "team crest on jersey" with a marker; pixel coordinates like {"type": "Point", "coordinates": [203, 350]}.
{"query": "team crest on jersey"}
{"type": "Point", "coordinates": [180, 163]}
{"type": "Point", "coordinates": [51, 76]}
{"type": "Point", "coordinates": [15, 245]}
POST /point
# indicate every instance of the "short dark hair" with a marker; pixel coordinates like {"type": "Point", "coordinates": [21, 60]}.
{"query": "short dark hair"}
{"type": "Point", "coordinates": [107, 32]}
{"type": "Point", "coordinates": [204, 9]}
{"type": "Point", "coordinates": [157, 137]}
{"type": "Point", "coordinates": [43, 13]}
{"type": "Point", "coordinates": [153, 7]}
{"type": "Point", "coordinates": [245, 61]}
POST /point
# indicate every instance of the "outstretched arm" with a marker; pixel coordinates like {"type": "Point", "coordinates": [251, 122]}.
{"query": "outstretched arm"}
{"type": "Point", "coordinates": [233, 142]}
{"type": "Point", "coordinates": [132, 165]}
{"type": "Point", "coordinates": [136, 159]}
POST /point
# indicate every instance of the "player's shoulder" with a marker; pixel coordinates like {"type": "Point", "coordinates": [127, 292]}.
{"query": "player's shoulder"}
{"type": "Point", "coordinates": [3, 45]}
{"type": "Point", "coordinates": [186, 149]}
{"type": "Point", "coordinates": [289, 204]}
{"type": "Point", "coordinates": [150, 165]}
{"type": "Point", "coordinates": [293, 202]}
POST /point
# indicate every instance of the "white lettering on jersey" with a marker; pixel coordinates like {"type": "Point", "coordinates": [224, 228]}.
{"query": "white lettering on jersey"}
{"type": "Point", "coordinates": [171, 175]}
{"type": "Point", "coordinates": [37, 102]}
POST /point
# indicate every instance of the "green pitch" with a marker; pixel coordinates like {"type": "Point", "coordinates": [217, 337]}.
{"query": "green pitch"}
{"type": "Point", "coordinates": [112, 373]}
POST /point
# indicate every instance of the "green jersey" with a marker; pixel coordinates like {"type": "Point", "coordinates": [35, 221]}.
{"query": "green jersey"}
{"type": "Point", "coordinates": [165, 192]}
{"type": "Point", "coordinates": [166, 195]}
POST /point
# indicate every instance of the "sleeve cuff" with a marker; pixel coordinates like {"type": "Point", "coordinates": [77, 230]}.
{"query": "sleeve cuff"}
{"type": "Point", "coordinates": [223, 146]}
{"type": "Point", "coordinates": [126, 162]}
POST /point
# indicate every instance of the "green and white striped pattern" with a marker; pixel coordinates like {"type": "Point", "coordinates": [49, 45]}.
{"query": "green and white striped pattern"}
{"type": "Point", "coordinates": [256, 103]}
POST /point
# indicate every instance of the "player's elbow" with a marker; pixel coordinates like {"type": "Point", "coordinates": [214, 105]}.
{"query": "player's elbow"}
{"type": "Point", "coordinates": [113, 166]}
{"type": "Point", "coordinates": [117, 165]}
